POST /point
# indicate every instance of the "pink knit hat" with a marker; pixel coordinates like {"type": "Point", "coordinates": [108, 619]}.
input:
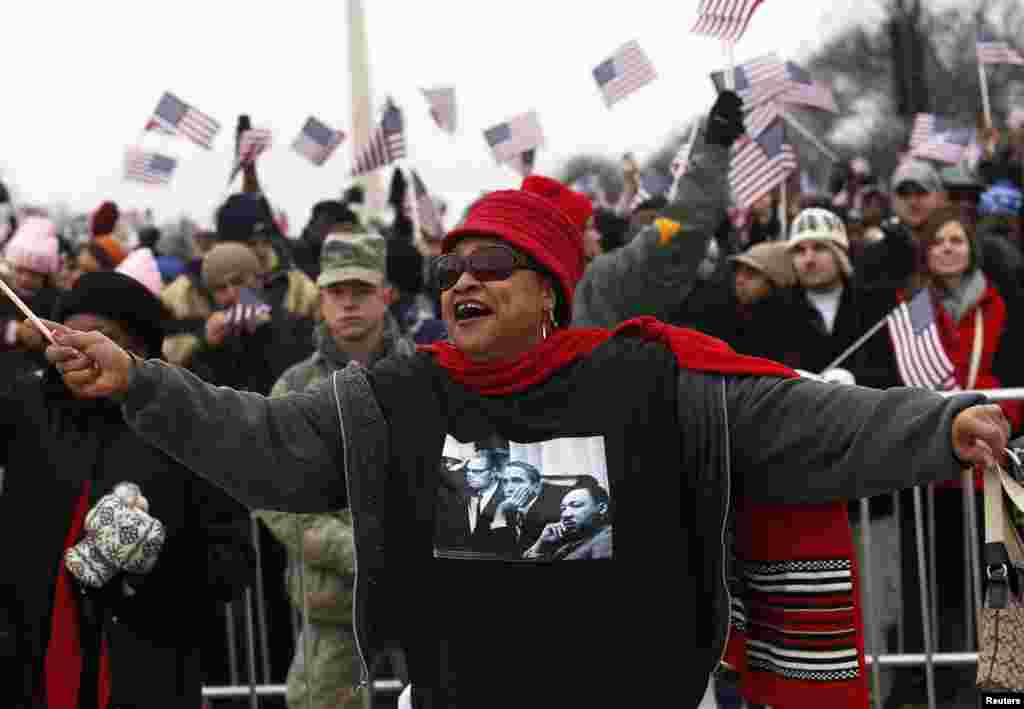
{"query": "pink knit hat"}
{"type": "Point", "coordinates": [1016, 119]}
{"type": "Point", "coordinates": [34, 246]}
{"type": "Point", "coordinates": [141, 265]}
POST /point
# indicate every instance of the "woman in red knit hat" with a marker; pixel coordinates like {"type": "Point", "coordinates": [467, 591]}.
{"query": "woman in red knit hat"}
{"type": "Point", "coordinates": [670, 423]}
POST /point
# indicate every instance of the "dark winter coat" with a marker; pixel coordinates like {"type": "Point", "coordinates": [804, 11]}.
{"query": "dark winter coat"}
{"type": "Point", "coordinates": [50, 445]}
{"type": "Point", "coordinates": [802, 342]}
{"type": "Point", "coordinates": [14, 361]}
{"type": "Point", "coordinates": [374, 438]}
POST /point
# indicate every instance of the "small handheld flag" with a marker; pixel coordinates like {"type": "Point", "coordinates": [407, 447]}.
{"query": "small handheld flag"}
{"type": "Point", "coordinates": [993, 51]}
{"type": "Point", "coordinates": [920, 356]}
{"type": "Point", "coordinates": [510, 139]}
{"type": "Point", "coordinates": [726, 20]}
{"type": "Point", "coordinates": [317, 141]}
{"type": "Point", "coordinates": [148, 167]}
{"type": "Point", "coordinates": [442, 107]}
{"type": "Point", "coordinates": [251, 144]}
{"type": "Point", "coordinates": [759, 165]}
{"type": "Point", "coordinates": [174, 116]}
{"type": "Point", "coordinates": [386, 144]}
{"type": "Point", "coordinates": [627, 70]}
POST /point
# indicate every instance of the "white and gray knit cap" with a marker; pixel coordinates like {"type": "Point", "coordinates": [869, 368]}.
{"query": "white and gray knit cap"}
{"type": "Point", "coordinates": [816, 224]}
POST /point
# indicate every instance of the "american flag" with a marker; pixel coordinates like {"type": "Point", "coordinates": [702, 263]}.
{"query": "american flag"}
{"type": "Point", "coordinates": [154, 125]}
{"type": "Point", "coordinates": [652, 184]}
{"type": "Point", "coordinates": [426, 208]}
{"type": "Point", "coordinates": [623, 73]}
{"type": "Point", "coordinates": [756, 81]}
{"type": "Point", "coordinates": [921, 130]}
{"type": "Point", "coordinates": [724, 19]}
{"type": "Point", "coordinates": [386, 145]}
{"type": "Point", "coordinates": [149, 167]}
{"type": "Point", "coordinates": [251, 144]}
{"type": "Point", "coordinates": [920, 357]}
{"type": "Point", "coordinates": [804, 90]}
{"type": "Point", "coordinates": [993, 51]}
{"type": "Point", "coordinates": [174, 116]}
{"type": "Point", "coordinates": [317, 141]}
{"type": "Point", "coordinates": [510, 139]}
{"type": "Point", "coordinates": [442, 107]}
{"type": "Point", "coordinates": [949, 147]}
{"type": "Point", "coordinates": [761, 118]}
{"type": "Point", "coordinates": [760, 164]}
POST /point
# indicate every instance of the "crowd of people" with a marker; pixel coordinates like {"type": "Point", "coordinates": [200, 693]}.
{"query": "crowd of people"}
{"type": "Point", "coordinates": [535, 351]}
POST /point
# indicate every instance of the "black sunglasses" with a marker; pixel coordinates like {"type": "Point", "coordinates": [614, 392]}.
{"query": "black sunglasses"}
{"type": "Point", "coordinates": [490, 263]}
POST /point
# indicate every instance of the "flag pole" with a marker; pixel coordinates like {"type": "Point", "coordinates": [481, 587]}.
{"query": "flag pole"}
{"type": "Point", "coordinates": [694, 134]}
{"type": "Point", "coordinates": [730, 58]}
{"type": "Point", "coordinates": [783, 214]}
{"type": "Point", "coordinates": [985, 102]}
{"type": "Point", "coordinates": [856, 345]}
{"type": "Point", "coordinates": [806, 132]}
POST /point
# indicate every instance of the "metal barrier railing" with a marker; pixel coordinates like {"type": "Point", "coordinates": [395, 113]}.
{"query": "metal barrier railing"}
{"type": "Point", "coordinates": [258, 681]}
{"type": "Point", "coordinates": [931, 657]}
{"type": "Point", "coordinates": [256, 623]}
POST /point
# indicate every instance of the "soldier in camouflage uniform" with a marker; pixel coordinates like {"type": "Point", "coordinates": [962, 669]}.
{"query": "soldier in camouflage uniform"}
{"type": "Point", "coordinates": [355, 325]}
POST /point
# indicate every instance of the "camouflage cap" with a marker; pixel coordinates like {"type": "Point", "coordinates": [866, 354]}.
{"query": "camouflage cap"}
{"type": "Point", "coordinates": [353, 257]}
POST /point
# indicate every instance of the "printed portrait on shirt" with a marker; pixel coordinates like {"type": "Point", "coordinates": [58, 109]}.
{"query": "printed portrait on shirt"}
{"type": "Point", "coordinates": [526, 502]}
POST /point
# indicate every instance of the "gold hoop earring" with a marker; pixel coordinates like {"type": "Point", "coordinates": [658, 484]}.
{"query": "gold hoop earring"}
{"type": "Point", "coordinates": [548, 325]}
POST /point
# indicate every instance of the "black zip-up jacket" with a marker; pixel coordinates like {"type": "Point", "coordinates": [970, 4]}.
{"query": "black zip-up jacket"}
{"type": "Point", "coordinates": [646, 626]}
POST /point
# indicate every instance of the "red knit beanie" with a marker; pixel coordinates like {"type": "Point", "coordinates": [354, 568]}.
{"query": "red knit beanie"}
{"type": "Point", "coordinates": [104, 219]}
{"type": "Point", "coordinates": [544, 219]}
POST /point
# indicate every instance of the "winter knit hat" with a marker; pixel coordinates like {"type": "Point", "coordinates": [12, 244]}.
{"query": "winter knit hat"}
{"type": "Point", "coordinates": [226, 260]}
{"type": "Point", "coordinates": [104, 219]}
{"type": "Point", "coordinates": [545, 220]}
{"type": "Point", "coordinates": [141, 265]}
{"type": "Point", "coordinates": [1016, 119]}
{"type": "Point", "coordinates": [244, 217]}
{"type": "Point", "coordinates": [817, 224]}
{"type": "Point", "coordinates": [772, 258]}
{"type": "Point", "coordinates": [108, 251]}
{"type": "Point", "coordinates": [34, 246]}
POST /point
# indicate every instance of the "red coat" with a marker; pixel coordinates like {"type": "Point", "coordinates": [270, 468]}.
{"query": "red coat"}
{"type": "Point", "coordinates": [958, 341]}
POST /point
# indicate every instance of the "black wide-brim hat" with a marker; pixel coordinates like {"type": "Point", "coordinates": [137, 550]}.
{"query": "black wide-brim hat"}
{"type": "Point", "coordinates": [121, 298]}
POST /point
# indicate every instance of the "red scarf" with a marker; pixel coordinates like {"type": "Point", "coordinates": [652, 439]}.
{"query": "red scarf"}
{"type": "Point", "coordinates": [808, 533]}
{"type": "Point", "coordinates": [693, 350]}
{"type": "Point", "coordinates": [63, 665]}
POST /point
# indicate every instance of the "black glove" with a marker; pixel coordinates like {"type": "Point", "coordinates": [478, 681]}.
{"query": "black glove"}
{"type": "Point", "coordinates": [725, 122]}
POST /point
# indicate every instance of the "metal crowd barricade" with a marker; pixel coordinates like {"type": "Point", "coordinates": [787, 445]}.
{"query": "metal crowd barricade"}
{"type": "Point", "coordinates": [255, 623]}
{"type": "Point", "coordinates": [932, 656]}
{"type": "Point", "coordinates": [257, 680]}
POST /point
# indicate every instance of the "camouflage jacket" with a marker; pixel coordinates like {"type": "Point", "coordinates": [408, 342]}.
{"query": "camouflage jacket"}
{"type": "Point", "coordinates": [320, 546]}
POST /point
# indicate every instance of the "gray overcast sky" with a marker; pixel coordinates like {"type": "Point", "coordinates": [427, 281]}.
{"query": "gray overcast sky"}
{"type": "Point", "coordinates": [82, 78]}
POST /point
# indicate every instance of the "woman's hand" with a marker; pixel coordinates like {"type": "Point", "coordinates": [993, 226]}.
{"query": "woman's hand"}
{"type": "Point", "coordinates": [980, 434]}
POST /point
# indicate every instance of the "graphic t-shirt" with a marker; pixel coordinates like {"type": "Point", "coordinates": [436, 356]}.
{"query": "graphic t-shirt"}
{"type": "Point", "coordinates": [526, 600]}
{"type": "Point", "coordinates": [524, 502]}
